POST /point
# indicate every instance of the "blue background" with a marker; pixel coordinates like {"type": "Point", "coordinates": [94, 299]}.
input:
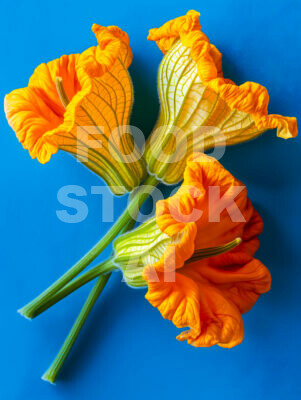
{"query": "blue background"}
{"type": "Point", "coordinates": [126, 349]}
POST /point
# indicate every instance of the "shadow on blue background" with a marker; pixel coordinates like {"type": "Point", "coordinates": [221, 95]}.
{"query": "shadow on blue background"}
{"type": "Point", "coordinates": [126, 349]}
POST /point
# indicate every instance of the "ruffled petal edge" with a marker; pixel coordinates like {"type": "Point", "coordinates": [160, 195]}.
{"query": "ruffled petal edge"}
{"type": "Point", "coordinates": [249, 97]}
{"type": "Point", "coordinates": [113, 43]}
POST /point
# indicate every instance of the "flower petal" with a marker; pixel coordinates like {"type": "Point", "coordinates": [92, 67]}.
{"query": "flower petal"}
{"type": "Point", "coordinates": [44, 78]}
{"type": "Point", "coordinates": [94, 126]}
{"type": "Point", "coordinates": [241, 282]}
{"type": "Point", "coordinates": [209, 298]}
{"type": "Point", "coordinates": [28, 115]}
{"type": "Point", "coordinates": [37, 110]}
{"type": "Point", "coordinates": [113, 44]}
{"type": "Point", "coordinates": [211, 317]}
{"type": "Point", "coordinates": [200, 109]}
{"type": "Point", "coordinates": [166, 35]}
{"type": "Point", "coordinates": [219, 220]}
{"type": "Point", "coordinates": [249, 97]}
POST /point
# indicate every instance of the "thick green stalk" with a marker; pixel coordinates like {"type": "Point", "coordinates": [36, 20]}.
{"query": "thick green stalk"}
{"type": "Point", "coordinates": [52, 372]}
{"type": "Point", "coordinates": [101, 269]}
{"type": "Point", "coordinates": [29, 311]}
{"type": "Point", "coordinates": [108, 266]}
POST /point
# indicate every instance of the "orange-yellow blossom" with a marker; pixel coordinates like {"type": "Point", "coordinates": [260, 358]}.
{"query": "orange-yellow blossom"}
{"type": "Point", "coordinates": [201, 109]}
{"type": "Point", "coordinates": [96, 90]}
{"type": "Point", "coordinates": [207, 295]}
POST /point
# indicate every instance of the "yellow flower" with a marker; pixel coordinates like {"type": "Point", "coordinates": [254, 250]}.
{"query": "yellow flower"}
{"type": "Point", "coordinates": [81, 104]}
{"type": "Point", "coordinates": [200, 109]}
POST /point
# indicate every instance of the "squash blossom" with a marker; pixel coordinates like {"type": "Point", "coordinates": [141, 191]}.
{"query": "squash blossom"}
{"type": "Point", "coordinates": [81, 104]}
{"type": "Point", "coordinates": [200, 109]}
{"type": "Point", "coordinates": [197, 258]}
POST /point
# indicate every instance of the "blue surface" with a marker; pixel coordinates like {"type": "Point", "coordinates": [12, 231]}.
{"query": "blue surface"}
{"type": "Point", "coordinates": [126, 349]}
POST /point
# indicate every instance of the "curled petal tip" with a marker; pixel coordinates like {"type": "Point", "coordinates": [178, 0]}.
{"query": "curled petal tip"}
{"type": "Point", "coordinates": [68, 99]}
{"type": "Point", "coordinates": [96, 27]}
{"type": "Point", "coordinates": [201, 106]}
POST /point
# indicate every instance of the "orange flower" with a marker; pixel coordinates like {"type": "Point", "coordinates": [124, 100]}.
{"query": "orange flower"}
{"type": "Point", "coordinates": [190, 279]}
{"type": "Point", "coordinates": [81, 104]}
{"type": "Point", "coordinates": [195, 95]}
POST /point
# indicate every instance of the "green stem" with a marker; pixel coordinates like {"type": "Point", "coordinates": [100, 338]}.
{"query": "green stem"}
{"type": "Point", "coordinates": [52, 372]}
{"type": "Point", "coordinates": [101, 269]}
{"type": "Point", "coordinates": [29, 310]}
{"type": "Point", "coordinates": [108, 266]}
